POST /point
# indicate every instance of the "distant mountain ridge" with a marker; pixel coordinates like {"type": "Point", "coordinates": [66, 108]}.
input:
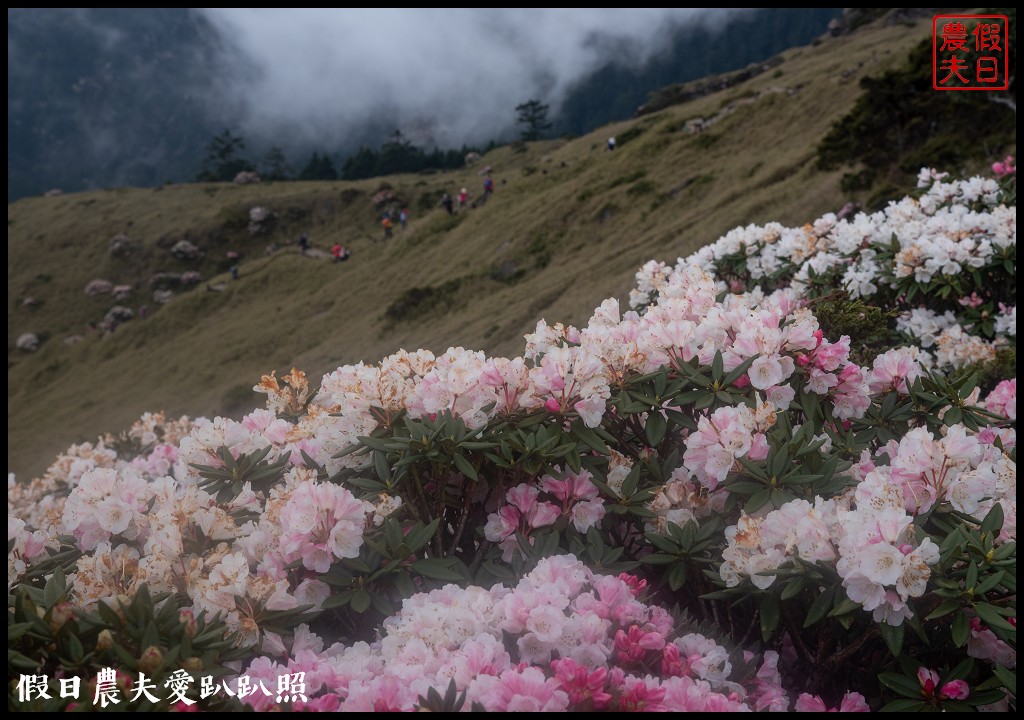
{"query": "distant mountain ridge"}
{"type": "Point", "coordinates": [101, 98]}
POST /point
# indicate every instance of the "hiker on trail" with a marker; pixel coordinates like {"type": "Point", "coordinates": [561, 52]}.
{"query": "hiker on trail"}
{"type": "Point", "coordinates": [303, 243]}
{"type": "Point", "coordinates": [340, 253]}
{"type": "Point", "coordinates": [403, 217]}
{"type": "Point", "coordinates": [463, 198]}
{"type": "Point", "coordinates": [488, 189]}
{"type": "Point", "coordinates": [386, 223]}
{"type": "Point", "coordinates": [446, 202]}
{"type": "Point", "coordinates": [611, 143]}
{"type": "Point", "coordinates": [234, 272]}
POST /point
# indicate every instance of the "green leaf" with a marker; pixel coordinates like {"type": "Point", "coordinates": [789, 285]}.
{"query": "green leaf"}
{"type": "Point", "coordinates": [659, 559]}
{"type": "Point", "coordinates": [589, 438]}
{"type": "Point", "coordinates": [901, 684]}
{"type": "Point", "coordinates": [893, 636]}
{"type": "Point", "coordinates": [793, 588]}
{"type": "Point", "coordinates": [820, 607]}
{"type": "Point", "coordinates": [757, 501]}
{"type": "Point", "coordinates": [972, 575]}
{"type": "Point", "coordinates": [1007, 677]}
{"type": "Point", "coordinates": [960, 628]}
{"type": "Point", "coordinates": [988, 615]}
{"type": "Point", "coordinates": [770, 614]}
{"type": "Point", "coordinates": [717, 366]}
{"type": "Point", "coordinates": [903, 705]}
{"type": "Point", "coordinates": [54, 589]}
{"type": "Point", "coordinates": [464, 467]}
{"type": "Point", "coordinates": [361, 600]}
{"type": "Point", "coordinates": [380, 466]}
{"type": "Point", "coordinates": [777, 464]}
{"type": "Point", "coordinates": [736, 372]}
{"type": "Point", "coordinates": [961, 671]}
{"type": "Point", "coordinates": [393, 534]}
{"type": "Point", "coordinates": [655, 428]}
{"type": "Point", "coordinates": [944, 609]}
{"type": "Point", "coordinates": [677, 576]}
{"type": "Point", "coordinates": [436, 569]}
{"type": "Point", "coordinates": [993, 522]}
{"type": "Point", "coordinates": [990, 583]}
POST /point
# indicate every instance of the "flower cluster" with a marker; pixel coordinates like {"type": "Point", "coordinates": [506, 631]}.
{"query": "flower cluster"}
{"type": "Point", "coordinates": [717, 440]}
{"type": "Point", "coordinates": [563, 638]}
{"type": "Point", "coordinates": [951, 246]}
{"type": "Point", "coordinates": [868, 534]}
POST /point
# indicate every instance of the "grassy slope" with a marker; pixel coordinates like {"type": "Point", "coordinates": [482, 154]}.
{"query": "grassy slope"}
{"type": "Point", "coordinates": [202, 352]}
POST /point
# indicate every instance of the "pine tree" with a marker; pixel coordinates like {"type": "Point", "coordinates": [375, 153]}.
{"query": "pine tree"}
{"type": "Point", "coordinates": [534, 115]}
{"type": "Point", "coordinates": [222, 163]}
{"type": "Point", "coordinates": [319, 167]}
{"type": "Point", "coordinates": [275, 165]}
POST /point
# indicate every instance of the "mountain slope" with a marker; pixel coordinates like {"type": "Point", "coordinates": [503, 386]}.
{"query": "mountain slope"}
{"type": "Point", "coordinates": [568, 226]}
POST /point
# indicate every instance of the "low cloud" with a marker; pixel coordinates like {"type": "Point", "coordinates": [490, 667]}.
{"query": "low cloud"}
{"type": "Point", "coordinates": [445, 76]}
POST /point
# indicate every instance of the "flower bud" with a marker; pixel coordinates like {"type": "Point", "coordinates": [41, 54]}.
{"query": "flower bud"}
{"type": "Point", "coordinates": [151, 660]}
{"type": "Point", "coordinates": [105, 641]}
{"type": "Point", "coordinates": [187, 617]}
{"type": "Point", "coordinates": [59, 616]}
{"type": "Point", "coordinates": [192, 665]}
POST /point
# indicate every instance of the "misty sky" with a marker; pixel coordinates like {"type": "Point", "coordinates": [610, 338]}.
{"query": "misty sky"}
{"type": "Point", "coordinates": [445, 75]}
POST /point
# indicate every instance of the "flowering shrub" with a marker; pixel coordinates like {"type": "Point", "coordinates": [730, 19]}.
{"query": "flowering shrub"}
{"type": "Point", "coordinates": [945, 261]}
{"type": "Point", "coordinates": [716, 450]}
{"type": "Point", "coordinates": [246, 178]}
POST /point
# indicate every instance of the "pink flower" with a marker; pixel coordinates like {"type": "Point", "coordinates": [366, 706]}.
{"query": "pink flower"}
{"type": "Point", "coordinates": [632, 646]}
{"type": "Point", "coordinates": [972, 301]}
{"type": "Point", "coordinates": [520, 690]}
{"type": "Point", "coordinates": [582, 684]}
{"type": "Point", "coordinates": [1004, 168]}
{"type": "Point", "coordinates": [638, 695]}
{"type": "Point", "coordinates": [852, 702]}
{"type": "Point", "coordinates": [954, 690]}
{"type": "Point", "coordinates": [636, 585]}
{"type": "Point", "coordinates": [929, 679]}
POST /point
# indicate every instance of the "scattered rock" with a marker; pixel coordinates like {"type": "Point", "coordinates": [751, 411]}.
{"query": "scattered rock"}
{"type": "Point", "coordinates": [98, 287]}
{"type": "Point", "coordinates": [121, 245]}
{"type": "Point", "coordinates": [30, 302]}
{"type": "Point", "coordinates": [53, 193]}
{"type": "Point", "coordinates": [122, 292]}
{"type": "Point", "coordinates": [184, 250]}
{"type": "Point", "coordinates": [162, 297]}
{"type": "Point", "coordinates": [119, 314]}
{"type": "Point", "coordinates": [29, 342]}
{"type": "Point", "coordinates": [472, 158]}
{"type": "Point", "coordinates": [260, 220]}
{"type": "Point", "coordinates": [165, 280]}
